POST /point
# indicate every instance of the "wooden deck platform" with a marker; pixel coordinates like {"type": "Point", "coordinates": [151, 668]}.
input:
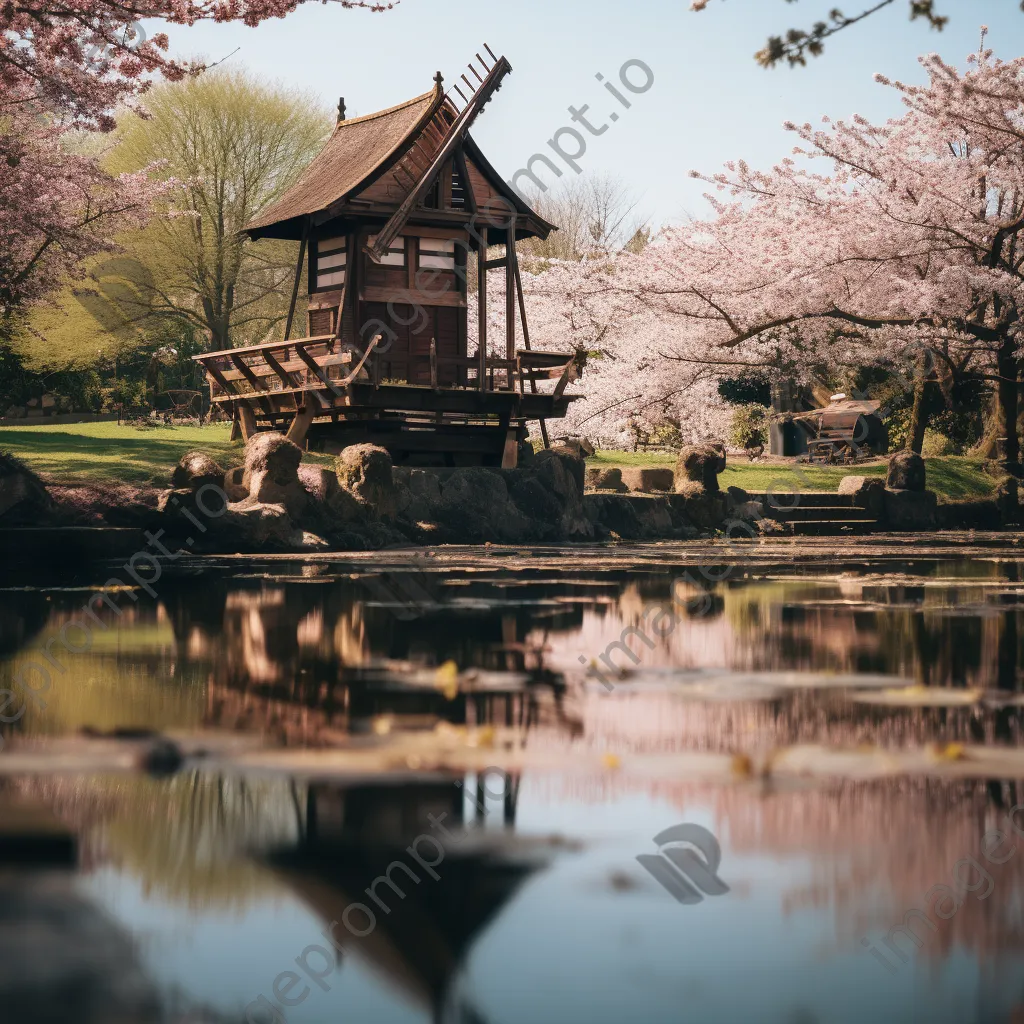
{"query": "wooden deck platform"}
{"type": "Point", "coordinates": [327, 398]}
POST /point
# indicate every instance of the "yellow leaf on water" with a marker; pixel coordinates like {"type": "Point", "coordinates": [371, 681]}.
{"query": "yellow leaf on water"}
{"type": "Point", "coordinates": [483, 738]}
{"type": "Point", "coordinates": [444, 728]}
{"type": "Point", "coordinates": [382, 725]}
{"type": "Point", "coordinates": [446, 679]}
{"type": "Point", "coordinates": [948, 751]}
{"type": "Point", "coordinates": [611, 761]}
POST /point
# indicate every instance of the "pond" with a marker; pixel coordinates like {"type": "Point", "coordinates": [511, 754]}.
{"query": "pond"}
{"type": "Point", "coordinates": [534, 890]}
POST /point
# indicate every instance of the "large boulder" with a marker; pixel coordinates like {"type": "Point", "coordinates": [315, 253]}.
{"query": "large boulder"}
{"type": "Point", "coordinates": [272, 473]}
{"type": "Point", "coordinates": [707, 509]}
{"type": "Point", "coordinates": [329, 503]}
{"type": "Point", "coordinates": [205, 504]}
{"type": "Point", "coordinates": [538, 503]}
{"type": "Point", "coordinates": [365, 471]}
{"type": "Point", "coordinates": [906, 472]}
{"type": "Point", "coordinates": [867, 492]}
{"type": "Point", "coordinates": [234, 484]}
{"type": "Point", "coordinates": [253, 526]}
{"type": "Point", "coordinates": [194, 470]}
{"type": "Point", "coordinates": [475, 507]}
{"type": "Point", "coordinates": [645, 480]}
{"type": "Point", "coordinates": [23, 496]}
{"type": "Point", "coordinates": [417, 494]}
{"type": "Point", "coordinates": [605, 478]}
{"type": "Point", "coordinates": [700, 464]}
{"type": "Point", "coordinates": [63, 957]}
{"type": "Point", "coordinates": [271, 453]}
{"type": "Point", "coordinates": [563, 476]}
{"type": "Point", "coordinates": [910, 510]}
{"type": "Point", "coordinates": [615, 515]}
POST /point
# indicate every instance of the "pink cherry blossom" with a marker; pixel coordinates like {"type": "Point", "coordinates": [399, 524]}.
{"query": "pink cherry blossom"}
{"type": "Point", "coordinates": [873, 245]}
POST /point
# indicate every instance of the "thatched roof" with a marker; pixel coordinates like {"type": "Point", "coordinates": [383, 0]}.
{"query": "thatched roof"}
{"type": "Point", "coordinates": [356, 152]}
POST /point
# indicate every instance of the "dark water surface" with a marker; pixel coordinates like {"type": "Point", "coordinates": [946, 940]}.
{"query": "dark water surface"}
{"type": "Point", "coordinates": [540, 911]}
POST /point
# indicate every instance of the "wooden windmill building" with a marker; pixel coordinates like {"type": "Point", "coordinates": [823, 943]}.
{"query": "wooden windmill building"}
{"type": "Point", "coordinates": [391, 213]}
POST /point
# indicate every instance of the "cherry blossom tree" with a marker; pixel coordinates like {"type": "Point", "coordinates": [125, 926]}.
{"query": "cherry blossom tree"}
{"type": "Point", "coordinates": [64, 67]}
{"type": "Point", "coordinates": [58, 208]}
{"type": "Point", "coordinates": [798, 44]}
{"type": "Point", "coordinates": [905, 249]}
{"type": "Point", "coordinates": [82, 58]}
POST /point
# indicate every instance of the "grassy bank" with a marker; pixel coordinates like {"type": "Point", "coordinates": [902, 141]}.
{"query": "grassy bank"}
{"type": "Point", "coordinates": [951, 476]}
{"type": "Point", "coordinates": [100, 453]}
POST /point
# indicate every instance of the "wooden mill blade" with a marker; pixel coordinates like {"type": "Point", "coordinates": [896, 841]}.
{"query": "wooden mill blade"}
{"type": "Point", "coordinates": [453, 137]}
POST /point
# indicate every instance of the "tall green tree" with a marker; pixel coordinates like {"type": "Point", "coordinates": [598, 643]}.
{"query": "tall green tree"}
{"type": "Point", "coordinates": [233, 143]}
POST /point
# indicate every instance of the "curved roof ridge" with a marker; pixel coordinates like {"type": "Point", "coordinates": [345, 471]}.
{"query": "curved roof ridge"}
{"type": "Point", "coordinates": [349, 159]}
{"type": "Point", "coordinates": [387, 110]}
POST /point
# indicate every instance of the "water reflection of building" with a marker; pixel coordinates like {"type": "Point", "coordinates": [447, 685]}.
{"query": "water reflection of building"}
{"type": "Point", "coordinates": [416, 924]}
{"type": "Point", "coordinates": [304, 657]}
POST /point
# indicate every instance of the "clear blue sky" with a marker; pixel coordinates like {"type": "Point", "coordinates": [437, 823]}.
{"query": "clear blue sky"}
{"type": "Point", "coordinates": [709, 103]}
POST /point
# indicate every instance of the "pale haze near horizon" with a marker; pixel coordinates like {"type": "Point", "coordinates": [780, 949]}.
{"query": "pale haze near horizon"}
{"type": "Point", "coordinates": [710, 101]}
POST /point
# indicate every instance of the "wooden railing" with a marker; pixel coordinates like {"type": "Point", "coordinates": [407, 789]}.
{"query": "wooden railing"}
{"type": "Point", "coordinates": [258, 372]}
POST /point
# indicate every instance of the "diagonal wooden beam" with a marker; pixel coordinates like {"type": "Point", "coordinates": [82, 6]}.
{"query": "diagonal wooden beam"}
{"type": "Point", "coordinates": [315, 368]}
{"type": "Point", "coordinates": [453, 139]}
{"type": "Point", "coordinates": [254, 381]}
{"type": "Point", "coordinates": [286, 378]}
{"type": "Point", "coordinates": [214, 372]}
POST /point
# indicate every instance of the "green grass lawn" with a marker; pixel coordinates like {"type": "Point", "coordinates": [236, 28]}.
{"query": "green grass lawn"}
{"type": "Point", "coordinates": [951, 476]}
{"type": "Point", "coordinates": [114, 453]}
{"type": "Point", "coordinates": [111, 453]}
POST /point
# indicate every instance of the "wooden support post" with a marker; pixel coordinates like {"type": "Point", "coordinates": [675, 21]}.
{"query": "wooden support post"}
{"type": "Point", "coordinates": [510, 449]}
{"type": "Point", "coordinates": [349, 265]}
{"type": "Point", "coordinates": [295, 283]}
{"type": "Point", "coordinates": [481, 284]}
{"type": "Point", "coordinates": [510, 297]}
{"type": "Point", "coordinates": [247, 419]}
{"type": "Point", "coordinates": [526, 334]}
{"type": "Point", "coordinates": [433, 364]}
{"type": "Point", "coordinates": [300, 425]}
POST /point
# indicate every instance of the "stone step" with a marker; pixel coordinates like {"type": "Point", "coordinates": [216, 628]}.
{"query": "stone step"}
{"type": "Point", "coordinates": [816, 513]}
{"type": "Point", "coordinates": [803, 499]}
